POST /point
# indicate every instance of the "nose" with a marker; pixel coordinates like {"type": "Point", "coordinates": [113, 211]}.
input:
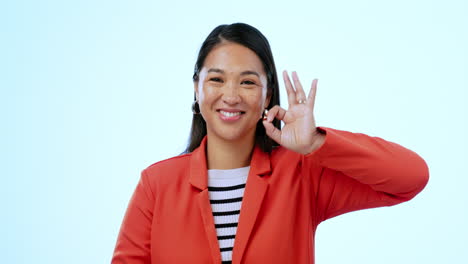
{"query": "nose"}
{"type": "Point", "coordinates": [231, 94]}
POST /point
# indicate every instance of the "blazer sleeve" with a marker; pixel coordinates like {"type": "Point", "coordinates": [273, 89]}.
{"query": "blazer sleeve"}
{"type": "Point", "coordinates": [133, 242]}
{"type": "Point", "coordinates": [353, 171]}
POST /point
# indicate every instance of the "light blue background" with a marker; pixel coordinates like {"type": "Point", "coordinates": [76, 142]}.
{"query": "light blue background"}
{"type": "Point", "coordinates": [92, 92]}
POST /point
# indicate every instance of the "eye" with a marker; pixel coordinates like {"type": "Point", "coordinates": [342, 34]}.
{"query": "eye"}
{"type": "Point", "coordinates": [248, 82]}
{"type": "Point", "coordinates": [216, 79]}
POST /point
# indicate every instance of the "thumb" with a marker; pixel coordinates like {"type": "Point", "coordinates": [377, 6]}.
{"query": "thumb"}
{"type": "Point", "coordinates": [273, 132]}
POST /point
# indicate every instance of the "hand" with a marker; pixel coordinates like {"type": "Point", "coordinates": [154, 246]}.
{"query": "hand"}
{"type": "Point", "coordinates": [299, 132]}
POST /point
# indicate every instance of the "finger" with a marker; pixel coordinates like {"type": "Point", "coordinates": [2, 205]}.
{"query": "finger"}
{"type": "Point", "coordinates": [312, 93]}
{"type": "Point", "coordinates": [300, 94]}
{"type": "Point", "coordinates": [289, 89]}
{"type": "Point", "coordinates": [276, 112]}
{"type": "Point", "coordinates": [273, 132]}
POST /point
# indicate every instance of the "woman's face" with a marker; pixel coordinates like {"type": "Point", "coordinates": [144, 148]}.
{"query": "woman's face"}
{"type": "Point", "coordinates": [231, 92]}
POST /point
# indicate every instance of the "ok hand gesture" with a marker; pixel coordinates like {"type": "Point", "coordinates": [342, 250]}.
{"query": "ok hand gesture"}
{"type": "Point", "coordinates": [299, 132]}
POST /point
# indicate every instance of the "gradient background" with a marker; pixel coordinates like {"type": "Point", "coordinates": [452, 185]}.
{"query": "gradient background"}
{"type": "Point", "coordinates": [92, 92]}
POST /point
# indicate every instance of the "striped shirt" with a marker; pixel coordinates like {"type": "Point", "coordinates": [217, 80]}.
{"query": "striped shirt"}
{"type": "Point", "coordinates": [226, 190]}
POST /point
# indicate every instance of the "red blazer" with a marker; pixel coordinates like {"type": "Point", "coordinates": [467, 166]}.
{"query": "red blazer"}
{"type": "Point", "coordinates": [169, 218]}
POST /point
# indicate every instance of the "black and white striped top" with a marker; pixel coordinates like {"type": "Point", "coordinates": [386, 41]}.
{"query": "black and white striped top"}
{"type": "Point", "coordinates": [226, 189]}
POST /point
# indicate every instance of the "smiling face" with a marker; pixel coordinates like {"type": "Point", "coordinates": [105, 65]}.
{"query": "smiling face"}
{"type": "Point", "coordinates": [232, 92]}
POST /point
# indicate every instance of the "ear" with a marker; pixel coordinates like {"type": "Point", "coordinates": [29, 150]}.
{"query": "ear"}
{"type": "Point", "coordinates": [195, 89]}
{"type": "Point", "coordinates": [267, 100]}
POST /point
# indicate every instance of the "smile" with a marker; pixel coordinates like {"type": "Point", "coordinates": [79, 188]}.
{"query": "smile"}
{"type": "Point", "coordinates": [230, 116]}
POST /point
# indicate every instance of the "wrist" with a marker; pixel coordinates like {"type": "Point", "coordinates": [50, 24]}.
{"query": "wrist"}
{"type": "Point", "coordinates": [318, 140]}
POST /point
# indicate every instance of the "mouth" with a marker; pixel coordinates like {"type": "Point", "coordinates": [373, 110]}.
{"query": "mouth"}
{"type": "Point", "coordinates": [230, 115]}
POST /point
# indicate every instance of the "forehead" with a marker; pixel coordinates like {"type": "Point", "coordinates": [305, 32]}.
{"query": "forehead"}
{"type": "Point", "coordinates": [233, 58]}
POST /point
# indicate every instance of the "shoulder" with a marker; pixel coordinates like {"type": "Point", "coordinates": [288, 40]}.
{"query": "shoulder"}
{"type": "Point", "coordinates": [170, 167]}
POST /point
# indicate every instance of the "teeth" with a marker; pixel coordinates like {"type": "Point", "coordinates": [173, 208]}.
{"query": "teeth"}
{"type": "Point", "coordinates": [230, 114]}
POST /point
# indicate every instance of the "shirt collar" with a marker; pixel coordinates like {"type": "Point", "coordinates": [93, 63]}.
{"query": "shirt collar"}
{"type": "Point", "coordinates": [259, 165]}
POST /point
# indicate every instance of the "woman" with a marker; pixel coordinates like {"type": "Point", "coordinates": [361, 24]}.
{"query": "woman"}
{"type": "Point", "coordinates": [247, 191]}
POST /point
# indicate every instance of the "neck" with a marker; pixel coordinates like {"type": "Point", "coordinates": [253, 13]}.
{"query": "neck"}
{"type": "Point", "coordinates": [224, 155]}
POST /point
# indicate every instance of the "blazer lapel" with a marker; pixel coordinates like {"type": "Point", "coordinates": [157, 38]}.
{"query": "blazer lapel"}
{"type": "Point", "coordinates": [208, 224]}
{"type": "Point", "coordinates": [255, 190]}
{"type": "Point", "coordinates": [199, 179]}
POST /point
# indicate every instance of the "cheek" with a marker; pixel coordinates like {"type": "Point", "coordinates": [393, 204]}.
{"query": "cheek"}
{"type": "Point", "coordinates": [206, 98]}
{"type": "Point", "coordinates": [256, 100]}
{"type": "Point", "coordinates": [205, 94]}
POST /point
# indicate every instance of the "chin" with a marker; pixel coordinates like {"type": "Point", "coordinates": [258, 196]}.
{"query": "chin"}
{"type": "Point", "coordinates": [230, 134]}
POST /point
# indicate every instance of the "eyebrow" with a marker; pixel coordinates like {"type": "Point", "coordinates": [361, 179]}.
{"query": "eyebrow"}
{"type": "Point", "coordinates": [242, 73]}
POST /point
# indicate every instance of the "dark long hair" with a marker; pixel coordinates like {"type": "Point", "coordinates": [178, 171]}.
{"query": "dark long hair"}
{"type": "Point", "coordinates": [253, 39]}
